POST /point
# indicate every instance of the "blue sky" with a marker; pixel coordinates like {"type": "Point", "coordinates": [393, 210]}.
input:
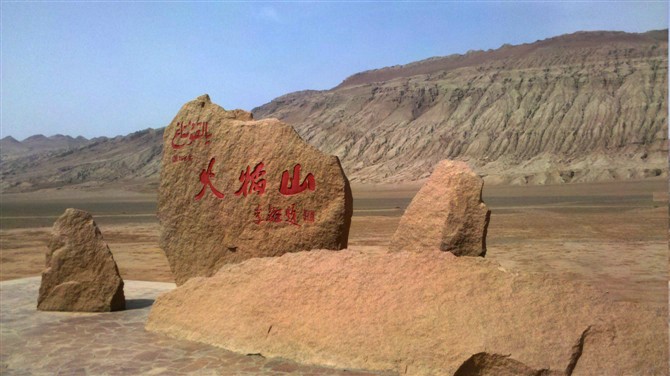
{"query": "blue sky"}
{"type": "Point", "coordinates": [111, 68]}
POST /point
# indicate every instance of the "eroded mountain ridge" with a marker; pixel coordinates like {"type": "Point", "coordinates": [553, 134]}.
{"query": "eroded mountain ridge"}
{"type": "Point", "coordinates": [581, 107]}
{"type": "Point", "coordinates": [588, 106]}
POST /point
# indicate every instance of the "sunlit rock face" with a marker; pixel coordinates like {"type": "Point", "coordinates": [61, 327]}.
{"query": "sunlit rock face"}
{"type": "Point", "coordinates": [232, 188]}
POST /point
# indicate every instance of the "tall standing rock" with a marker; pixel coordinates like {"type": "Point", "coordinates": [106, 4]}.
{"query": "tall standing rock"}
{"type": "Point", "coordinates": [81, 274]}
{"type": "Point", "coordinates": [232, 188]}
{"type": "Point", "coordinates": [446, 214]}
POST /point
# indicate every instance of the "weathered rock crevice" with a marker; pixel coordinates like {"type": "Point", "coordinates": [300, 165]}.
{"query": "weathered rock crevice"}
{"type": "Point", "coordinates": [486, 364]}
{"type": "Point", "coordinates": [577, 351]}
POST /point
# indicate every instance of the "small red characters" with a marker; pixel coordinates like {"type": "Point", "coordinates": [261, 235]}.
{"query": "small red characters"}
{"type": "Point", "coordinates": [257, 213]}
{"type": "Point", "coordinates": [291, 215]}
{"type": "Point", "coordinates": [205, 179]}
{"type": "Point", "coordinates": [296, 187]}
{"type": "Point", "coordinates": [250, 181]}
{"type": "Point", "coordinates": [308, 215]}
{"type": "Point", "coordinates": [274, 214]}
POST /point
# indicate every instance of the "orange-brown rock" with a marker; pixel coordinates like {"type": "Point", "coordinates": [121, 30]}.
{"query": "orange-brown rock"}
{"type": "Point", "coordinates": [446, 214]}
{"type": "Point", "coordinates": [485, 364]}
{"type": "Point", "coordinates": [416, 313]}
{"type": "Point", "coordinates": [232, 188]}
{"type": "Point", "coordinates": [81, 274]}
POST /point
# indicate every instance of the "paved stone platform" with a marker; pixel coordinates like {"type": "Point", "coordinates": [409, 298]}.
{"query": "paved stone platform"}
{"type": "Point", "coordinates": [33, 342]}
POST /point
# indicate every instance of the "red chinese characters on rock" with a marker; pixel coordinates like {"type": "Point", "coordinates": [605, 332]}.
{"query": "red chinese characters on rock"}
{"type": "Point", "coordinates": [205, 179]}
{"type": "Point", "coordinates": [251, 181]}
{"type": "Point", "coordinates": [308, 215]}
{"type": "Point", "coordinates": [291, 215]}
{"type": "Point", "coordinates": [187, 134]}
{"type": "Point", "coordinates": [257, 214]}
{"type": "Point", "coordinates": [296, 187]}
{"type": "Point", "coordinates": [274, 215]}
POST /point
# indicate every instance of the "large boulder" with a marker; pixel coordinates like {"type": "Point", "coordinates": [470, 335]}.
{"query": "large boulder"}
{"type": "Point", "coordinates": [446, 214]}
{"type": "Point", "coordinates": [425, 313]}
{"type": "Point", "coordinates": [232, 188]}
{"type": "Point", "coordinates": [81, 274]}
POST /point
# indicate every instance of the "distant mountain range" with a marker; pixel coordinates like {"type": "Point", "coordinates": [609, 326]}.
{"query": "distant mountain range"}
{"type": "Point", "coordinates": [10, 147]}
{"type": "Point", "coordinates": [38, 162]}
{"type": "Point", "coordinates": [587, 106]}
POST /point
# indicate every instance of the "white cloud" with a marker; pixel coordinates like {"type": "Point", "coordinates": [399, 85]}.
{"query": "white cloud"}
{"type": "Point", "coordinates": [269, 14]}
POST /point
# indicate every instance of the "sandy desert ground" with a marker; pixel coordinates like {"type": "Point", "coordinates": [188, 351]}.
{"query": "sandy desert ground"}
{"type": "Point", "coordinates": [613, 235]}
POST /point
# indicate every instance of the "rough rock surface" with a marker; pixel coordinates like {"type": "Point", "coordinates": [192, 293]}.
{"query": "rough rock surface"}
{"type": "Point", "coordinates": [485, 364]}
{"type": "Point", "coordinates": [81, 274]}
{"type": "Point", "coordinates": [446, 214]}
{"type": "Point", "coordinates": [232, 188]}
{"type": "Point", "coordinates": [416, 313]}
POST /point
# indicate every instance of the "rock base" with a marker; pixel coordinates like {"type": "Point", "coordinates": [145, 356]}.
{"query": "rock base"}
{"type": "Point", "coordinates": [417, 313]}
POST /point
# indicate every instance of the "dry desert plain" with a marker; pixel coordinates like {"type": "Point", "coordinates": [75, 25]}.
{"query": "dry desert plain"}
{"type": "Point", "coordinates": [613, 235]}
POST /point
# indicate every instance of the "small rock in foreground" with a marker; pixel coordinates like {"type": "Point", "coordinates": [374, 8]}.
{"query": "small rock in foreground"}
{"type": "Point", "coordinates": [81, 274]}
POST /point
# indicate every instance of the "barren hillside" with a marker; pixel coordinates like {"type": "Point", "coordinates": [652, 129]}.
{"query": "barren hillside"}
{"type": "Point", "coordinates": [132, 160]}
{"type": "Point", "coordinates": [587, 106]}
{"type": "Point", "coordinates": [10, 148]}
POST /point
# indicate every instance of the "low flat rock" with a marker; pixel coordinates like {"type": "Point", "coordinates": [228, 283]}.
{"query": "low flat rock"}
{"type": "Point", "coordinates": [447, 214]}
{"type": "Point", "coordinates": [232, 188]}
{"type": "Point", "coordinates": [81, 274]}
{"type": "Point", "coordinates": [416, 313]}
